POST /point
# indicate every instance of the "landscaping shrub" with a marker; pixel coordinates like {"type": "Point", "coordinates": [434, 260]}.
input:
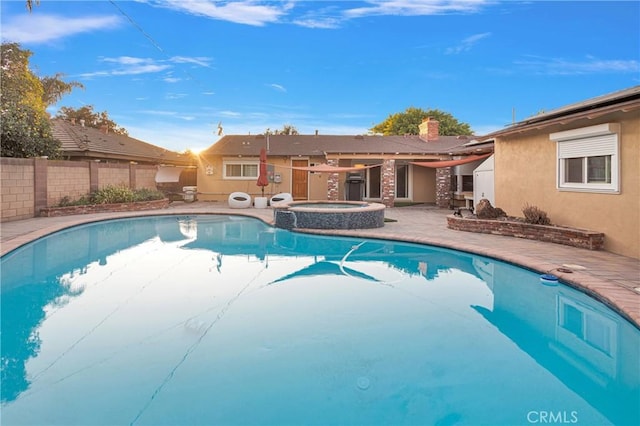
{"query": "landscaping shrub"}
{"type": "Point", "coordinates": [534, 215]}
{"type": "Point", "coordinates": [145, 194]}
{"type": "Point", "coordinates": [113, 195]}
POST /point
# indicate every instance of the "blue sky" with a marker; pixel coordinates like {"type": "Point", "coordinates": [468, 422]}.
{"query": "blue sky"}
{"type": "Point", "coordinates": [169, 71]}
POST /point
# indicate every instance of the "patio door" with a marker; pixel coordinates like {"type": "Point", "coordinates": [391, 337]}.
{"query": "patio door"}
{"type": "Point", "coordinates": [300, 180]}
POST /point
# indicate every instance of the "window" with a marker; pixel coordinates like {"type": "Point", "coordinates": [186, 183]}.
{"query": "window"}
{"type": "Point", "coordinates": [467, 183]}
{"type": "Point", "coordinates": [588, 158]}
{"type": "Point", "coordinates": [247, 170]}
{"type": "Point", "coordinates": [402, 181]}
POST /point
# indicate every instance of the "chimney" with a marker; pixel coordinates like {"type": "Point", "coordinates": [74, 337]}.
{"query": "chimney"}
{"type": "Point", "coordinates": [73, 121]}
{"type": "Point", "coordinates": [429, 129]}
{"type": "Point", "coordinates": [104, 128]}
{"type": "Point", "coordinates": [82, 122]}
{"type": "Point", "coordinates": [316, 132]}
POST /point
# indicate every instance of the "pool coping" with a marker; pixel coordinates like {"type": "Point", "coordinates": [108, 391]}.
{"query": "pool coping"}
{"type": "Point", "coordinates": [622, 299]}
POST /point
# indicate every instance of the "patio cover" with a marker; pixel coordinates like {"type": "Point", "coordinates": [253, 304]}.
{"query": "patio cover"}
{"type": "Point", "coordinates": [168, 174]}
{"type": "Point", "coordinates": [325, 168]}
{"type": "Point", "coordinates": [449, 163]}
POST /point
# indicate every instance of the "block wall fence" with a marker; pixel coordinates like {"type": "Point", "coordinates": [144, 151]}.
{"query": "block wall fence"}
{"type": "Point", "coordinates": [31, 184]}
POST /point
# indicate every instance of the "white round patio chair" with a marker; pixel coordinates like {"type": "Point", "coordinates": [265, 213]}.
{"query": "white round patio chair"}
{"type": "Point", "coordinates": [283, 197]}
{"type": "Point", "coordinates": [239, 200]}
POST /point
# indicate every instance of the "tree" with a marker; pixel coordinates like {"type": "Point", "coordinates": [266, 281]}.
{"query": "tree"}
{"type": "Point", "coordinates": [24, 123]}
{"type": "Point", "coordinates": [407, 122]}
{"type": "Point", "coordinates": [287, 129]}
{"type": "Point", "coordinates": [91, 118]}
{"type": "Point", "coordinates": [55, 88]}
{"type": "Point", "coordinates": [30, 4]}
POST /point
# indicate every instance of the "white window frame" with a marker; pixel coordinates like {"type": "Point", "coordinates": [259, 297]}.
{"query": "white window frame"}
{"type": "Point", "coordinates": [593, 141]}
{"type": "Point", "coordinates": [243, 163]}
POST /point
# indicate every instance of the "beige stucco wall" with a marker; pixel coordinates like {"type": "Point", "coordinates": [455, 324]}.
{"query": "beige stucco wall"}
{"type": "Point", "coordinates": [424, 184]}
{"type": "Point", "coordinates": [525, 172]}
{"type": "Point", "coordinates": [214, 188]}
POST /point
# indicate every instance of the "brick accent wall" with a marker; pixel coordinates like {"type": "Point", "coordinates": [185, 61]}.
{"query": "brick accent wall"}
{"type": "Point", "coordinates": [101, 208]}
{"type": "Point", "coordinates": [17, 185]}
{"type": "Point", "coordinates": [443, 187]}
{"type": "Point", "coordinates": [333, 183]}
{"type": "Point", "coordinates": [554, 234]}
{"type": "Point", "coordinates": [388, 182]}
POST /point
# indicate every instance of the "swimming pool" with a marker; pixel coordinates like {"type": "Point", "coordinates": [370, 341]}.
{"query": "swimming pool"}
{"type": "Point", "coordinates": [225, 320]}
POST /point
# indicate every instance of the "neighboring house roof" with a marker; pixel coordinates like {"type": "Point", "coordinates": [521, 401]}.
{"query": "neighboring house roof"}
{"type": "Point", "coordinates": [324, 145]}
{"type": "Point", "coordinates": [87, 142]}
{"type": "Point", "coordinates": [623, 100]}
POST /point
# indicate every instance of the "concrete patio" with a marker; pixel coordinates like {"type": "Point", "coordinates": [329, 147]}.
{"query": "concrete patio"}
{"type": "Point", "coordinates": [611, 278]}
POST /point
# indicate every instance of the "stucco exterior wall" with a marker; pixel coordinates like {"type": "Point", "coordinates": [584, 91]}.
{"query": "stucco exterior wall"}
{"type": "Point", "coordinates": [424, 184]}
{"type": "Point", "coordinates": [215, 188]}
{"type": "Point", "coordinates": [525, 172]}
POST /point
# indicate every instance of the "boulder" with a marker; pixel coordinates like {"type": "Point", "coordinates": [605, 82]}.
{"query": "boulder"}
{"type": "Point", "coordinates": [484, 210]}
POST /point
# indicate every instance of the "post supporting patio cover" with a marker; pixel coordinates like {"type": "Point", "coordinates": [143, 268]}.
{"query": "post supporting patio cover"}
{"type": "Point", "coordinates": [450, 163]}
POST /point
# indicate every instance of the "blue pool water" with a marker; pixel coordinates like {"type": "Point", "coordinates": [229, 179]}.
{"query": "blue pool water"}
{"type": "Point", "coordinates": [222, 320]}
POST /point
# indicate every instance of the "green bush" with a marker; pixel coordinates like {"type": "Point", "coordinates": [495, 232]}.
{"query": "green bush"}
{"type": "Point", "coordinates": [534, 215]}
{"type": "Point", "coordinates": [113, 195]}
{"type": "Point", "coordinates": [145, 194]}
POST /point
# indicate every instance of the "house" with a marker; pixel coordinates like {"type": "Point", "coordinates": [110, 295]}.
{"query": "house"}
{"type": "Point", "coordinates": [80, 142]}
{"type": "Point", "coordinates": [385, 169]}
{"type": "Point", "coordinates": [579, 163]}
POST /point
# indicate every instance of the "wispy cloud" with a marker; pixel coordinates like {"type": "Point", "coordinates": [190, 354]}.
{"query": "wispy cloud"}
{"type": "Point", "coordinates": [278, 87]}
{"type": "Point", "coordinates": [590, 65]}
{"type": "Point", "coordinates": [198, 60]}
{"type": "Point", "coordinates": [248, 12]}
{"type": "Point", "coordinates": [129, 65]}
{"type": "Point", "coordinates": [416, 7]}
{"type": "Point", "coordinates": [466, 44]}
{"type": "Point", "coordinates": [40, 28]}
{"type": "Point", "coordinates": [260, 13]}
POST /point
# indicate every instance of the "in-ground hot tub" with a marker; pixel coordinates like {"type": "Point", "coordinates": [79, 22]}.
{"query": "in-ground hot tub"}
{"type": "Point", "coordinates": [329, 215]}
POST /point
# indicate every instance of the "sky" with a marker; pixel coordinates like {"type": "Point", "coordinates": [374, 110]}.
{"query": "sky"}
{"type": "Point", "coordinates": [171, 71]}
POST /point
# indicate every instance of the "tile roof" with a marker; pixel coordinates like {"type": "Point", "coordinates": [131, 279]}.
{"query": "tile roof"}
{"type": "Point", "coordinates": [322, 145]}
{"type": "Point", "coordinates": [87, 142]}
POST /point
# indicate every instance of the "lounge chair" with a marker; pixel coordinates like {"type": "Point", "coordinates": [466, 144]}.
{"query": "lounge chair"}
{"type": "Point", "coordinates": [239, 200]}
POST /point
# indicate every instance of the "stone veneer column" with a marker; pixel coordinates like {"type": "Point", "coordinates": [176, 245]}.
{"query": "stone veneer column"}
{"type": "Point", "coordinates": [388, 174]}
{"type": "Point", "coordinates": [333, 183]}
{"type": "Point", "coordinates": [40, 190]}
{"type": "Point", "coordinates": [443, 187]}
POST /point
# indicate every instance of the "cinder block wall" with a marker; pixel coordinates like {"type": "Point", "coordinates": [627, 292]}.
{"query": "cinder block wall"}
{"type": "Point", "coordinates": [17, 185]}
{"type": "Point", "coordinates": [113, 174]}
{"type": "Point", "coordinates": [145, 177]}
{"type": "Point", "coordinates": [66, 179]}
{"type": "Point", "coordinates": [31, 184]}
